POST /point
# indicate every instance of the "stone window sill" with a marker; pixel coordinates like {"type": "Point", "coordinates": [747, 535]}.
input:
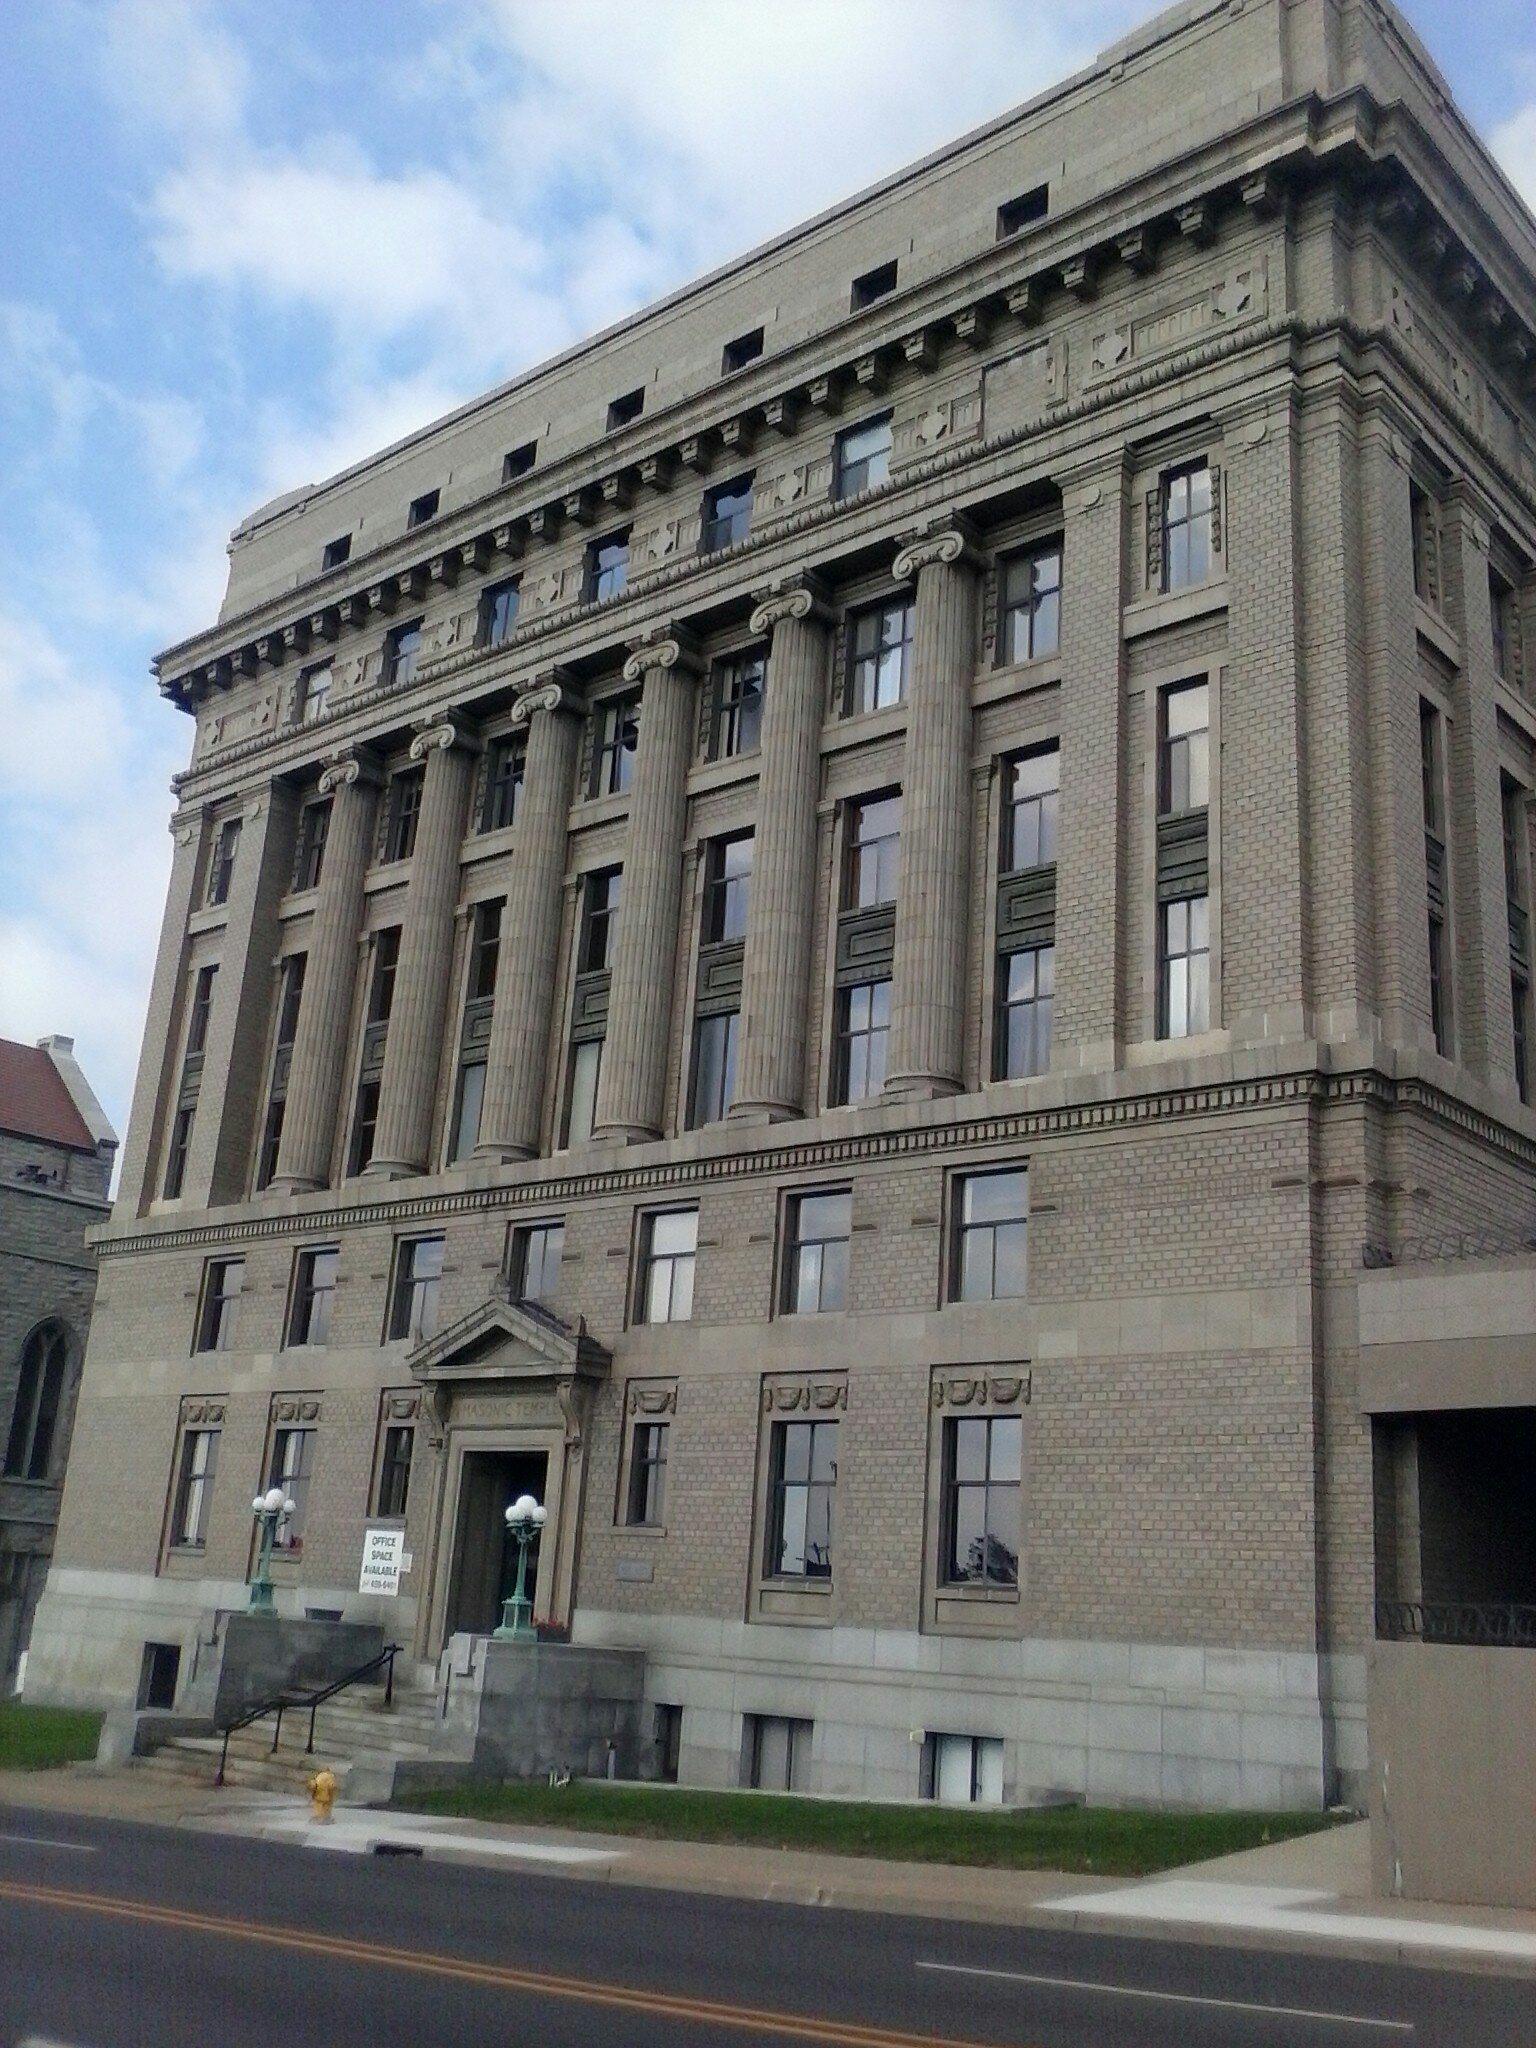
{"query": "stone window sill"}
{"type": "Point", "coordinates": [588, 811]}
{"type": "Point", "coordinates": [1517, 705]}
{"type": "Point", "coordinates": [298, 902]}
{"type": "Point", "coordinates": [212, 917]}
{"type": "Point", "coordinates": [723, 774]}
{"type": "Point", "coordinates": [1016, 679]}
{"type": "Point", "coordinates": [642, 1532]}
{"type": "Point", "coordinates": [859, 728]}
{"type": "Point", "coordinates": [1178, 608]}
{"type": "Point", "coordinates": [386, 874]}
{"type": "Point", "coordinates": [794, 1603]}
{"type": "Point", "coordinates": [1432, 627]}
{"type": "Point", "coordinates": [487, 845]}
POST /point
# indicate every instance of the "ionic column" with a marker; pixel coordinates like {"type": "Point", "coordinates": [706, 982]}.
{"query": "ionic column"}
{"type": "Point", "coordinates": [528, 959]}
{"type": "Point", "coordinates": [320, 1043]}
{"type": "Point", "coordinates": [927, 1051]}
{"type": "Point", "coordinates": [155, 1086]}
{"type": "Point", "coordinates": [776, 961]}
{"type": "Point", "coordinates": [413, 1046]}
{"type": "Point", "coordinates": [630, 1095]}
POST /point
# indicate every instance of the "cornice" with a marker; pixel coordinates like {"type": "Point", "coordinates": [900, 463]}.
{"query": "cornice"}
{"type": "Point", "coordinates": [1309, 1089]}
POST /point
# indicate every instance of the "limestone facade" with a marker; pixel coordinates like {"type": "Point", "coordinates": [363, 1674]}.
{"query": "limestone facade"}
{"type": "Point", "coordinates": [1168, 557]}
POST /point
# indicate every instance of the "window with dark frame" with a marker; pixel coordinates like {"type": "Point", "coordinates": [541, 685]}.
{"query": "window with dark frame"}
{"type": "Point", "coordinates": [1432, 772]}
{"type": "Point", "coordinates": [1031, 803]}
{"type": "Point", "coordinates": [195, 1473]}
{"type": "Point", "coordinates": [586, 1073]}
{"type": "Point", "coordinates": [314, 825]}
{"type": "Point", "coordinates": [777, 1747]}
{"type": "Point", "coordinates": [394, 1487]}
{"type": "Point", "coordinates": [872, 862]}
{"type": "Point", "coordinates": [402, 813]}
{"type": "Point", "coordinates": [506, 762]}
{"type": "Point", "coordinates": [983, 1473]}
{"type": "Point", "coordinates": [290, 996]}
{"type": "Point", "coordinates": [418, 1280]}
{"type": "Point", "coordinates": [221, 872]}
{"type": "Point", "coordinates": [727, 887]}
{"type": "Point", "coordinates": [365, 1125]}
{"type": "Point", "coordinates": [1501, 619]}
{"type": "Point", "coordinates": [1520, 1012]}
{"type": "Point", "coordinates": [537, 1249]}
{"type": "Point", "coordinates": [200, 1014]}
{"type": "Point", "coordinates": [738, 704]}
{"type": "Point", "coordinates": [1424, 517]}
{"type": "Point", "coordinates": [668, 1247]}
{"type": "Point", "coordinates": [1184, 750]}
{"type": "Point", "coordinates": [223, 1284]}
{"type": "Point", "coordinates": [179, 1145]}
{"type": "Point", "coordinates": [727, 515]}
{"type": "Point", "coordinates": [862, 457]}
{"type": "Point", "coordinates": [1026, 1004]}
{"type": "Point", "coordinates": [626, 408]}
{"type": "Point", "coordinates": [518, 461]}
{"type": "Point", "coordinates": [421, 509]}
{"type": "Point", "coordinates": [802, 1490]}
{"type": "Point", "coordinates": [874, 284]}
{"type": "Point", "coordinates": [616, 739]}
{"type": "Point", "coordinates": [293, 1451]}
{"type": "Point", "coordinates": [1512, 802]}
{"type": "Point", "coordinates": [1184, 967]}
{"type": "Point", "coordinates": [385, 966]}
{"type": "Point", "coordinates": [736, 355]}
{"type": "Point", "coordinates": [818, 1232]}
{"type": "Point", "coordinates": [863, 1036]}
{"type": "Point", "coordinates": [963, 1770]}
{"type": "Point", "coordinates": [990, 1233]}
{"type": "Point", "coordinates": [314, 1295]}
{"type": "Point", "coordinates": [607, 567]}
{"type": "Point", "coordinates": [879, 655]}
{"type": "Point", "coordinates": [1014, 215]}
{"type": "Point", "coordinates": [600, 894]}
{"type": "Point", "coordinates": [40, 1389]}
{"type": "Point", "coordinates": [314, 692]}
{"type": "Point", "coordinates": [716, 1043]}
{"type": "Point", "coordinates": [646, 1501]}
{"type": "Point", "coordinates": [1029, 604]}
{"type": "Point", "coordinates": [484, 949]}
{"type": "Point", "coordinates": [402, 652]}
{"type": "Point", "coordinates": [1188, 521]}
{"type": "Point", "coordinates": [336, 552]}
{"type": "Point", "coordinates": [498, 611]}
{"type": "Point", "coordinates": [468, 1106]}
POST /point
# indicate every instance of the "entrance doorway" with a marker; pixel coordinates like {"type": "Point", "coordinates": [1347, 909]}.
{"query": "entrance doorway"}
{"type": "Point", "coordinates": [485, 1553]}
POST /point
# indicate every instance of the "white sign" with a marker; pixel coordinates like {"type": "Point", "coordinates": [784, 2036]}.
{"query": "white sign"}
{"type": "Point", "coordinates": [384, 1558]}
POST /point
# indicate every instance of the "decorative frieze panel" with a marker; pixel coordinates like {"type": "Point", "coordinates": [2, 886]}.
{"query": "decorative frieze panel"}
{"type": "Point", "coordinates": [803, 483]}
{"type": "Point", "coordinates": [652, 1398]}
{"type": "Point", "coordinates": [449, 634]}
{"type": "Point", "coordinates": [944, 423]}
{"type": "Point", "coordinates": [402, 1407]}
{"type": "Point", "coordinates": [670, 540]}
{"type": "Point", "coordinates": [202, 1414]}
{"type": "Point", "coordinates": [1020, 387]}
{"type": "Point", "coordinates": [999, 1388]}
{"type": "Point", "coordinates": [300, 1408]}
{"type": "Point", "coordinates": [805, 1396]}
{"type": "Point", "coordinates": [1231, 301]}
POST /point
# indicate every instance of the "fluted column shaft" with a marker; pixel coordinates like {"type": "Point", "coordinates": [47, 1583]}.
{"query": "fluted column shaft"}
{"type": "Point", "coordinates": [776, 960]}
{"type": "Point", "coordinates": [413, 1044]}
{"type": "Point", "coordinates": [928, 969]}
{"type": "Point", "coordinates": [630, 1095]}
{"type": "Point", "coordinates": [320, 1042]}
{"type": "Point", "coordinates": [530, 929]}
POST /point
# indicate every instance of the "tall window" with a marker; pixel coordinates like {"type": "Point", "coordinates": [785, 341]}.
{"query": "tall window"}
{"type": "Point", "coordinates": [991, 1233]}
{"type": "Point", "coordinates": [293, 1452]}
{"type": "Point", "coordinates": [223, 1284]}
{"type": "Point", "coordinates": [803, 1479]}
{"type": "Point", "coordinates": [1432, 769]}
{"type": "Point", "coordinates": [1425, 516]}
{"type": "Point", "coordinates": [879, 651]}
{"type": "Point", "coordinates": [1031, 799]}
{"type": "Point", "coordinates": [386, 964]}
{"type": "Point", "coordinates": [402, 811]}
{"type": "Point", "coordinates": [314, 693]}
{"type": "Point", "coordinates": [874, 848]}
{"type": "Point", "coordinates": [727, 884]}
{"type": "Point", "coordinates": [1026, 1002]}
{"type": "Point", "coordinates": [1184, 750]}
{"type": "Point", "coordinates": [668, 1244]}
{"type": "Point", "coordinates": [201, 1011]}
{"type": "Point", "coordinates": [738, 719]}
{"type": "Point", "coordinates": [617, 737]}
{"type": "Point", "coordinates": [1512, 801]}
{"type": "Point", "coordinates": [498, 612]}
{"type": "Point", "coordinates": [1520, 1010]}
{"type": "Point", "coordinates": [394, 1486]}
{"type": "Point", "coordinates": [309, 853]}
{"type": "Point", "coordinates": [715, 1044]}
{"type": "Point", "coordinates": [816, 1254]}
{"type": "Point", "coordinates": [221, 872]}
{"type": "Point", "coordinates": [581, 1090]}
{"type": "Point", "coordinates": [983, 1463]}
{"type": "Point", "coordinates": [1029, 597]}
{"type": "Point", "coordinates": [365, 1125]}
{"type": "Point", "coordinates": [469, 1102]}
{"type": "Point", "coordinates": [484, 950]}
{"type": "Point", "coordinates": [402, 652]}
{"type": "Point", "coordinates": [418, 1279]}
{"type": "Point", "coordinates": [863, 1034]}
{"type": "Point", "coordinates": [179, 1145]}
{"type": "Point", "coordinates": [599, 919]}
{"type": "Point", "coordinates": [727, 515]}
{"type": "Point", "coordinates": [39, 1397]}
{"type": "Point", "coordinates": [607, 567]}
{"type": "Point", "coordinates": [1187, 503]}
{"type": "Point", "coordinates": [194, 1488]}
{"type": "Point", "coordinates": [1501, 618]}
{"type": "Point", "coordinates": [645, 1506]}
{"type": "Point", "coordinates": [862, 457]}
{"type": "Point", "coordinates": [314, 1295]}
{"type": "Point", "coordinates": [1184, 967]}
{"type": "Point", "coordinates": [537, 1249]}
{"type": "Point", "coordinates": [505, 760]}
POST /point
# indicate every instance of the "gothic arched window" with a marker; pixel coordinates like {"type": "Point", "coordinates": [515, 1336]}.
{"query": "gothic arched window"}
{"type": "Point", "coordinates": [39, 1397]}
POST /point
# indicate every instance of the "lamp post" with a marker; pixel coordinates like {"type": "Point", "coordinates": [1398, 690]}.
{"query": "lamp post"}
{"type": "Point", "coordinates": [271, 1510]}
{"type": "Point", "coordinates": [525, 1518]}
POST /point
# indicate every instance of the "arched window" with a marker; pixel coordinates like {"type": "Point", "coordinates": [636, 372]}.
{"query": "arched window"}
{"type": "Point", "coordinates": [39, 1396]}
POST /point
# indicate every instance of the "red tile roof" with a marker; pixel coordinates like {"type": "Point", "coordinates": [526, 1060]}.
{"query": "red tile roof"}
{"type": "Point", "coordinates": [34, 1103]}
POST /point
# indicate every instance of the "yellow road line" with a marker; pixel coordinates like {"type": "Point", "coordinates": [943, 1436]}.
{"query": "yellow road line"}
{"type": "Point", "coordinates": [495, 1976]}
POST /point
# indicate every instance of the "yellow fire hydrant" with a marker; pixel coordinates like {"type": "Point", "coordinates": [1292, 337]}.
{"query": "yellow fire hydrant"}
{"type": "Point", "coordinates": [322, 1793]}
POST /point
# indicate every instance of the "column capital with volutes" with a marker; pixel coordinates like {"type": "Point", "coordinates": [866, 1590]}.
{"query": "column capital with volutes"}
{"type": "Point", "coordinates": [801, 596]}
{"type": "Point", "coordinates": [442, 732]}
{"type": "Point", "coordinates": [554, 689]}
{"type": "Point", "coordinates": [665, 646]}
{"type": "Point", "coordinates": [945, 541]}
{"type": "Point", "coordinates": [347, 766]}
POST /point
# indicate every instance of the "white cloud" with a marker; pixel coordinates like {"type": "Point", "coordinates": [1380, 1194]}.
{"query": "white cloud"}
{"type": "Point", "coordinates": [1514, 144]}
{"type": "Point", "coordinates": [169, 65]}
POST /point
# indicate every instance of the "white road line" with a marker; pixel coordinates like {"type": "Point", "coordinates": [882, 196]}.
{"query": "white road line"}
{"type": "Point", "coordinates": [50, 1842]}
{"type": "Point", "coordinates": [1279, 2012]}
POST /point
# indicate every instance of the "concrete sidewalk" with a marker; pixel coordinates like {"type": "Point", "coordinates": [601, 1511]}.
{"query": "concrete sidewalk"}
{"type": "Point", "coordinates": [1310, 1894]}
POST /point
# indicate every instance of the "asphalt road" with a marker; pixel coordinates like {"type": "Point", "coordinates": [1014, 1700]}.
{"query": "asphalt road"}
{"type": "Point", "coordinates": [119, 1936]}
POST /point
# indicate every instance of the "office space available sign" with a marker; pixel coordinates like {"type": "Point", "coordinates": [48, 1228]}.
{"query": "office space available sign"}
{"type": "Point", "coordinates": [385, 1557]}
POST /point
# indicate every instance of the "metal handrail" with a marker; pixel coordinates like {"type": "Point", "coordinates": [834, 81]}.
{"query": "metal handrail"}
{"type": "Point", "coordinates": [1493, 1623]}
{"type": "Point", "coordinates": [280, 1702]}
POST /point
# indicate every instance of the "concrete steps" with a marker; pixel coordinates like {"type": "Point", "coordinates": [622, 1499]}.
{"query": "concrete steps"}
{"type": "Point", "coordinates": [347, 1728]}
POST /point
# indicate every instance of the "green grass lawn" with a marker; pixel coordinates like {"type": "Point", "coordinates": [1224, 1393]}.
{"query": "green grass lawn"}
{"type": "Point", "coordinates": [1103, 1840]}
{"type": "Point", "coordinates": [38, 1738]}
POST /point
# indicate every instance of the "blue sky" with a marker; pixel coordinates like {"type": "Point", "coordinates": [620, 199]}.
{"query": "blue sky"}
{"type": "Point", "coordinates": [249, 240]}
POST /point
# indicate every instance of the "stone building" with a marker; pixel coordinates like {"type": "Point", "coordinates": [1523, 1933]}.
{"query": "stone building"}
{"type": "Point", "coordinates": [834, 931]}
{"type": "Point", "coordinates": [56, 1153]}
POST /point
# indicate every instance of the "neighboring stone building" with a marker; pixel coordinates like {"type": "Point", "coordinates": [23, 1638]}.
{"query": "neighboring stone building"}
{"type": "Point", "coordinates": [56, 1152]}
{"type": "Point", "coordinates": [1008, 712]}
